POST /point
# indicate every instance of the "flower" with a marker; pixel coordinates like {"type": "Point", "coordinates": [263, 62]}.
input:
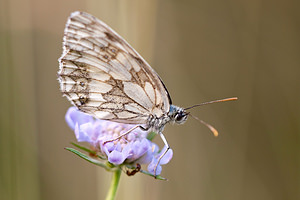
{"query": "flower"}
{"type": "Point", "coordinates": [72, 117]}
{"type": "Point", "coordinates": [130, 149]}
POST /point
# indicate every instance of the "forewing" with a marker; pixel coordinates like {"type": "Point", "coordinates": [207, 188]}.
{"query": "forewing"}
{"type": "Point", "coordinates": [104, 76]}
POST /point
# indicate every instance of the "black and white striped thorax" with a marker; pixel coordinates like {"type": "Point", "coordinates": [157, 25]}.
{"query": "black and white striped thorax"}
{"type": "Point", "coordinates": [176, 115]}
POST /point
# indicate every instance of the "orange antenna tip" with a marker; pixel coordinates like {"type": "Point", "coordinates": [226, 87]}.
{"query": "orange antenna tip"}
{"type": "Point", "coordinates": [214, 101]}
{"type": "Point", "coordinates": [211, 128]}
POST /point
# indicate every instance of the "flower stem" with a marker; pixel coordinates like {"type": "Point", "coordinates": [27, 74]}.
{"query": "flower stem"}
{"type": "Point", "coordinates": [114, 185]}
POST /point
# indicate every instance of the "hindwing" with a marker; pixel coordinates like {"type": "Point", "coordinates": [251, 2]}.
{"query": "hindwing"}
{"type": "Point", "coordinates": [102, 75]}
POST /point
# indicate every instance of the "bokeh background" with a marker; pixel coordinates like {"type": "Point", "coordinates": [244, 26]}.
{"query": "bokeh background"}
{"type": "Point", "coordinates": [203, 50]}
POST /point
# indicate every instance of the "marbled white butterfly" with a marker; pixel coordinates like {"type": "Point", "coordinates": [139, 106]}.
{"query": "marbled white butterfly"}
{"type": "Point", "coordinates": [102, 75]}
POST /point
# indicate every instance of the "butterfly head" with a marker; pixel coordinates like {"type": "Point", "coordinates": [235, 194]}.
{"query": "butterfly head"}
{"type": "Point", "coordinates": [177, 114]}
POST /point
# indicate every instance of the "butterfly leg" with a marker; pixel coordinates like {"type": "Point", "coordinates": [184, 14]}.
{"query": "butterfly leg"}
{"type": "Point", "coordinates": [127, 132]}
{"type": "Point", "coordinates": [162, 155]}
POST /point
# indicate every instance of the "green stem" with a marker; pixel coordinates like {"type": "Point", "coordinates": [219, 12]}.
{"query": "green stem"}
{"type": "Point", "coordinates": [114, 185]}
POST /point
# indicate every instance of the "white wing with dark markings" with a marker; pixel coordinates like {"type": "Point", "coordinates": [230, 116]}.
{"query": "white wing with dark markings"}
{"type": "Point", "coordinates": [102, 75]}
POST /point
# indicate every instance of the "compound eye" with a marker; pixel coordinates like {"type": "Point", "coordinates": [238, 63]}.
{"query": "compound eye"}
{"type": "Point", "coordinates": [180, 117]}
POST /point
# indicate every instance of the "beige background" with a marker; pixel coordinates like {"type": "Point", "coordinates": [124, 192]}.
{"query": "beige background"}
{"type": "Point", "coordinates": [203, 50]}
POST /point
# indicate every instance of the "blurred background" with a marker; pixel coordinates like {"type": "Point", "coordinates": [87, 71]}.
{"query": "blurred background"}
{"type": "Point", "coordinates": [203, 50]}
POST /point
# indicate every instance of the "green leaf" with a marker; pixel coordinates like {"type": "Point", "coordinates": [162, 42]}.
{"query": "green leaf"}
{"type": "Point", "coordinates": [88, 150]}
{"type": "Point", "coordinates": [156, 177]}
{"type": "Point", "coordinates": [151, 135]}
{"type": "Point", "coordinates": [89, 159]}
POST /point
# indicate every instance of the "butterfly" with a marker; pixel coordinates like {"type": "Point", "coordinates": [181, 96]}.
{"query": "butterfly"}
{"type": "Point", "coordinates": [102, 75]}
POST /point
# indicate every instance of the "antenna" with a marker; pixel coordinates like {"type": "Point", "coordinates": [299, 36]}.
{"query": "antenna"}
{"type": "Point", "coordinates": [210, 102]}
{"type": "Point", "coordinates": [211, 128]}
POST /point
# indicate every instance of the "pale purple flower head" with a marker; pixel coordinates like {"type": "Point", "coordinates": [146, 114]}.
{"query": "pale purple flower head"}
{"type": "Point", "coordinates": [130, 149]}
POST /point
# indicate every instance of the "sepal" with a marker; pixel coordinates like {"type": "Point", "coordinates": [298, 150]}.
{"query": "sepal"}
{"type": "Point", "coordinates": [91, 152]}
{"type": "Point", "coordinates": [158, 177]}
{"type": "Point", "coordinates": [89, 159]}
{"type": "Point", "coordinates": [151, 135]}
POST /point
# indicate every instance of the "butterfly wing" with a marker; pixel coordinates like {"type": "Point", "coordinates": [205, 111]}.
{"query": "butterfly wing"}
{"type": "Point", "coordinates": [102, 75]}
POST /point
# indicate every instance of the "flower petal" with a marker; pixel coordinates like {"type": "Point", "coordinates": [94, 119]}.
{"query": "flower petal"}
{"type": "Point", "coordinates": [150, 154]}
{"type": "Point", "coordinates": [74, 116]}
{"type": "Point", "coordinates": [152, 166]}
{"type": "Point", "coordinates": [141, 147]}
{"type": "Point", "coordinates": [107, 148]}
{"type": "Point", "coordinates": [167, 157]}
{"type": "Point", "coordinates": [82, 135]}
{"type": "Point", "coordinates": [116, 157]}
